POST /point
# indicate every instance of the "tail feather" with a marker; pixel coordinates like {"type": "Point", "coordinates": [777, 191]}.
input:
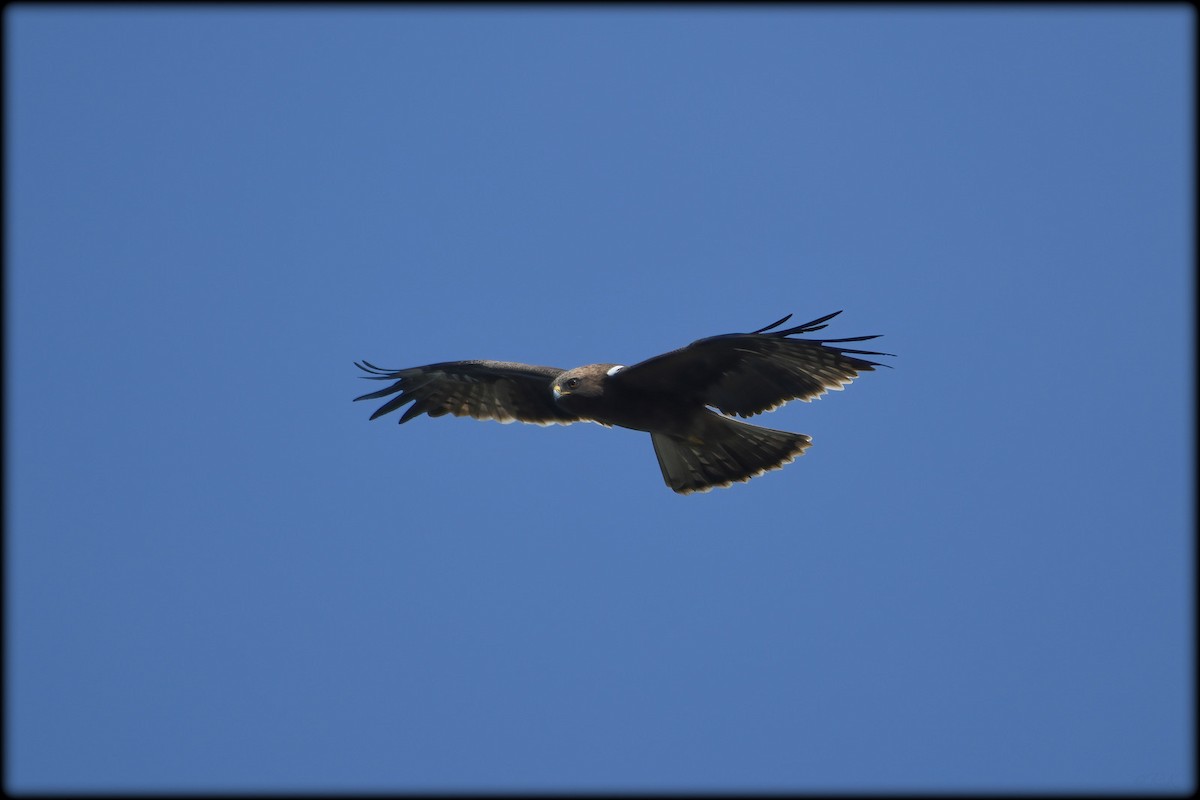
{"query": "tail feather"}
{"type": "Point", "coordinates": [727, 451]}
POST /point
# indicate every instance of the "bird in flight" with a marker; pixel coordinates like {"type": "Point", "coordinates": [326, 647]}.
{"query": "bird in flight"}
{"type": "Point", "coordinates": [684, 399]}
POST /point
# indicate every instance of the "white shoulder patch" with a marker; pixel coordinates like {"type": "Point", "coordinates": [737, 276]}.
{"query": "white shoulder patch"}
{"type": "Point", "coordinates": [615, 370]}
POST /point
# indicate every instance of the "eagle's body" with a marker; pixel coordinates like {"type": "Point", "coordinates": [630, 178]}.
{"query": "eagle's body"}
{"type": "Point", "coordinates": [670, 396]}
{"type": "Point", "coordinates": [612, 402]}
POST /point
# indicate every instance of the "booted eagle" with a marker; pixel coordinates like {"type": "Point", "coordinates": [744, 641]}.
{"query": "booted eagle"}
{"type": "Point", "coordinates": [671, 396]}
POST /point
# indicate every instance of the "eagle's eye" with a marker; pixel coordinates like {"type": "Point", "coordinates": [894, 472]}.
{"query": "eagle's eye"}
{"type": "Point", "coordinates": [572, 383]}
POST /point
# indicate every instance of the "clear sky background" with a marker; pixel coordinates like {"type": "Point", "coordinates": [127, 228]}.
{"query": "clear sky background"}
{"type": "Point", "coordinates": [220, 575]}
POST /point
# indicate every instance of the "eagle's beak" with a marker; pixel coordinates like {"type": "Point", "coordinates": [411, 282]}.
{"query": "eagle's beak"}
{"type": "Point", "coordinates": [557, 391]}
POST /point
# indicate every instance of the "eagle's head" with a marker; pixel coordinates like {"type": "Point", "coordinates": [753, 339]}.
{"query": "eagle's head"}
{"type": "Point", "coordinates": [580, 389]}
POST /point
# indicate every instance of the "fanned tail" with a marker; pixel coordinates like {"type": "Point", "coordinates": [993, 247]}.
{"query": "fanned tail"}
{"type": "Point", "coordinates": [728, 451]}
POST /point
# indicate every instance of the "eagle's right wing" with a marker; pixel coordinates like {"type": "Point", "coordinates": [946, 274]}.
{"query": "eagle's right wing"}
{"type": "Point", "coordinates": [496, 390]}
{"type": "Point", "coordinates": [749, 373]}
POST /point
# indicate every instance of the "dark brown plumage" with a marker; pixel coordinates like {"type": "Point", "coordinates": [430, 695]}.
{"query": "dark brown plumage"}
{"type": "Point", "coordinates": [670, 396]}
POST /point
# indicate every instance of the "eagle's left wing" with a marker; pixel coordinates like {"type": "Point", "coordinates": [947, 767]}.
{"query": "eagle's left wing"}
{"type": "Point", "coordinates": [749, 373]}
{"type": "Point", "coordinates": [497, 390]}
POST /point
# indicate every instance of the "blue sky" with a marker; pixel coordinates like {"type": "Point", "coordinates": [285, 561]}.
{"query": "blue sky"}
{"type": "Point", "coordinates": [220, 575]}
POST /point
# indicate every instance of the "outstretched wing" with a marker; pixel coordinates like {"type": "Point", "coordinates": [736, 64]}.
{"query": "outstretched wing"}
{"type": "Point", "coordinates": [497, 390]}
{"type": "Point", "coordinates": [748, 373]}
